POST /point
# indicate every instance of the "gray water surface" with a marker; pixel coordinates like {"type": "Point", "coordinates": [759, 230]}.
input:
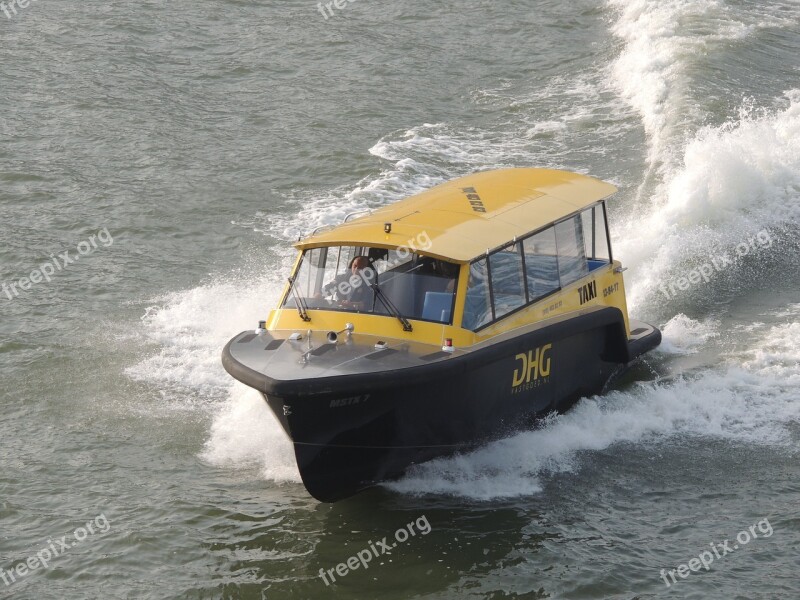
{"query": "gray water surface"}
{"type": "Point", "coordinates": [195, 141]}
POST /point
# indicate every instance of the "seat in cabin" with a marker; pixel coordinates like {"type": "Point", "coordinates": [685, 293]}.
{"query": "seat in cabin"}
{"type": "Point", "coordinates": [437, 306]}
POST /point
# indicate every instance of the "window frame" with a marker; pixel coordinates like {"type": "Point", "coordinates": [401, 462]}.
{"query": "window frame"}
{"type": "Point", "coordinates": [603, 212]}
{"type": "Point", "coordinates": [503, 248]}
{"type": "Point", "coordinates": [576, 218]}
{"type": "Point", "coordinates": [555, 242]}
{"type": "Point", "coordinates": [521, 239]}
{"type": "Point", "coordinates": [283, 305]}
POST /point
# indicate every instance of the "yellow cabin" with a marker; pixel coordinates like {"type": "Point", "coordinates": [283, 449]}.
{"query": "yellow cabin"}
{"type": "Point", "coordinates": [465, 260]}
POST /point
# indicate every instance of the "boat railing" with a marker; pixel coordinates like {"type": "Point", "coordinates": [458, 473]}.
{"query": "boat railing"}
{"type": "Point", "coordinates": [320, 228]}
{"type": "Point", "coordinates": [358, 212]}
{"type": "Point", "coordinates": [346, 219]}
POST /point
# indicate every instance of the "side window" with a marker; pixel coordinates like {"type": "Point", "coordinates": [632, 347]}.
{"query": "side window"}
{"type": "Point", "coordinates": [541, 264]}
{"type": "Point", "coordinates": [571, 251]}
{"type": "Point", "coordinates": [308, 280]}
{"type": "Point", "coordinates": [508, 288]}
{"type": "Point", "coordinates": [477, 305]}
{"type": "Point", "coordinates": [595, 239]}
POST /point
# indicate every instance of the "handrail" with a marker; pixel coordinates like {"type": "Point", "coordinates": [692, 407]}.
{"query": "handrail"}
{"type": "Point", "coordinates": [346, 219]}
{"type": "Point", "coordinates": [320, 228]}
{"type": "Point", "coordinates": [358, 212]}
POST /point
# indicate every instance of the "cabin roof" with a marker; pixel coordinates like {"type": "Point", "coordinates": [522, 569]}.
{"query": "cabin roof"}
{"type": "Point", "coordinates": [465, 217]}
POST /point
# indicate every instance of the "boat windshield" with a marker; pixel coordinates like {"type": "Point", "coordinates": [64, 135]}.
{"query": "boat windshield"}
{"type": "Point", "coordinates": [362, 279]}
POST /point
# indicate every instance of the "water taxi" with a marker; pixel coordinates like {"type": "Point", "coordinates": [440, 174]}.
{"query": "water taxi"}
{"type": "Point", "coordinates": [441, 322]}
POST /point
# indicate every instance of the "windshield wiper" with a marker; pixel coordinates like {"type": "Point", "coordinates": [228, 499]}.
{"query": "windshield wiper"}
{"type": "Point", "coordinates": [391, 308]}
{"type": "Point", "coordinates": [302, 309]}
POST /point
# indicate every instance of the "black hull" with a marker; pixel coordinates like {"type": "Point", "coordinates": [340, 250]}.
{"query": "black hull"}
{"type": "Point", "coordinates": [351, 432]}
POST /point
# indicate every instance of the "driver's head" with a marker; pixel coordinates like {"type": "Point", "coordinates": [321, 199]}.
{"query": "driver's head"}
{"type": "Point", "coordinates": [359, 264]}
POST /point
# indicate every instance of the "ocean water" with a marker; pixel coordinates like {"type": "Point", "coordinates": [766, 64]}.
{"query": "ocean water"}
{"type": "Point", "coordinates": [174, 150]}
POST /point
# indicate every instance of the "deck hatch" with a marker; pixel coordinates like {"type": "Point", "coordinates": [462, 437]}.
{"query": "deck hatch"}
{"type": "Point", "coordinates": [323, 349]}
{"type": "Point", "coordinates": [381, 354]}
{"type": "Point", "coordinates": [274, 344]}
{"type": "Point", "coordinates": [247, 338]}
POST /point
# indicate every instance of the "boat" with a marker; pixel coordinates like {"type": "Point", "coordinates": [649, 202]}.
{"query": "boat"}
{"type": "Point", "coordinates": [441, 322]}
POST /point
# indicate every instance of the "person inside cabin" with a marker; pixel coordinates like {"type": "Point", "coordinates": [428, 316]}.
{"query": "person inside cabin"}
{"type": "Point", "coordinates": [351, 289]}
{"type": "Point", "coordinates": [449, 271]}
